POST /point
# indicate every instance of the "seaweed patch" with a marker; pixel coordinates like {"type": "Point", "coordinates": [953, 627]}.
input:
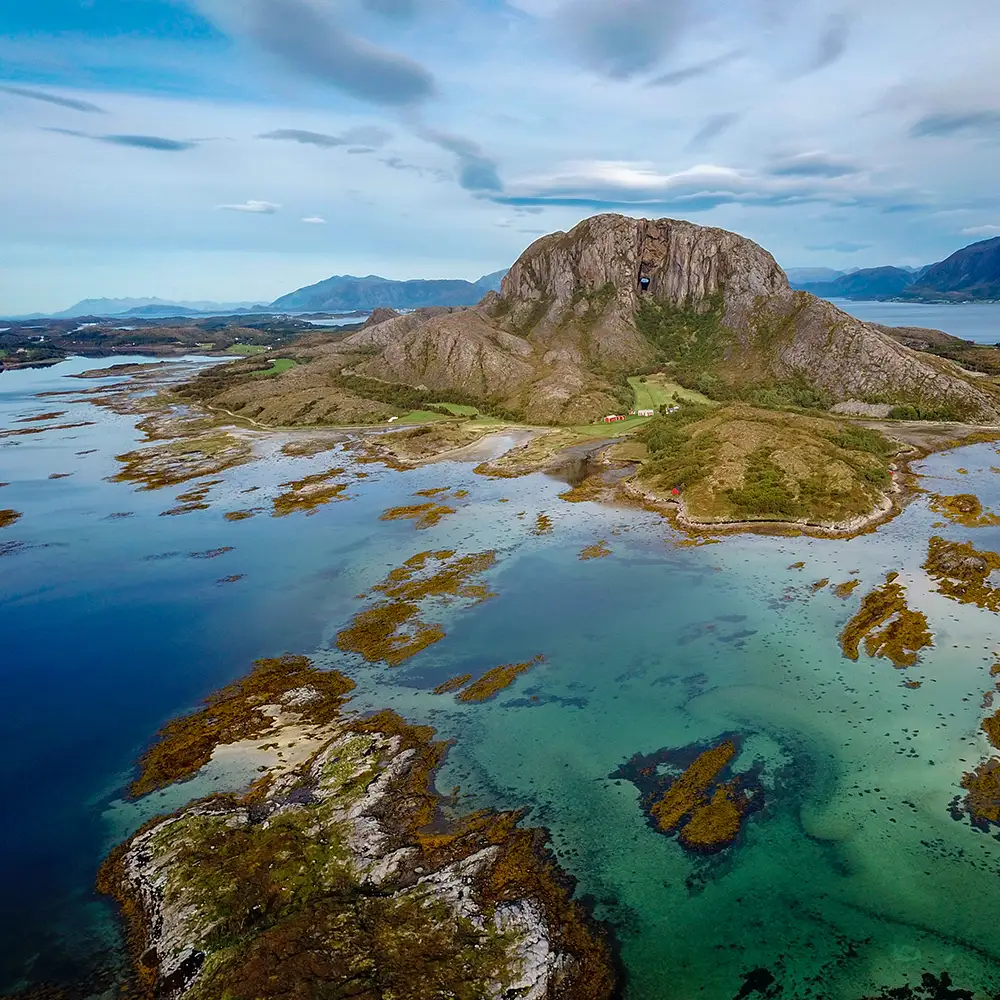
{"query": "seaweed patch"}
{"type": "Point", "coordinates": [495, 680]}
{"type": "Point", "coordinates": [689, 792]}
{"type": "Point", "coordinates": [9, 517]}
{"type": "Point", "coordinates": [965, 509]}
{"type": "Point", "coordinates": [543, 525]}
{"type": "Point", "coordinates": [887, 627]}
{"type": "Point", "coordinates": [392, 630]}
{"type": "Point", "coordinates": [962, 572]}
{"type": "Point", "coordinates": [308, 494]}
{"type": "Point", "coordinates": [425, 515]}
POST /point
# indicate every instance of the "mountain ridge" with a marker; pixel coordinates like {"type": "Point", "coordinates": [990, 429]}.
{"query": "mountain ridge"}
{"type": "Point", "coordinates": [970, 273]}
{"type": "Point", "coordinates": [346, 292]}
{"type": "Point", "coordinates": [866, 283]}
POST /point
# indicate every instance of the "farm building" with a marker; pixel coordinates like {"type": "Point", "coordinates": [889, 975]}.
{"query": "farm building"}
{"type": "Point", "coordinates": [613, 418]}
{"type": "Point", "coordinates": [644, 413]}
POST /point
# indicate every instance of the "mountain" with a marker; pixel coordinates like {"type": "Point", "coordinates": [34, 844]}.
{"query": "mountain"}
{"type": "Point", "coordinates": [345, 293]}
{"type": "Point", "coordinates": [491, 282]}
{"type": "Point", "coordinates": [149, 307]}
{"type": "Point", "coordinates": [799, 276]}
{"type": "Point", "coordinates": [571, 323]}
{"type": "Point", "coordinates": [968, 274]}
{"type": "Point", "coordinates": [867, 283]}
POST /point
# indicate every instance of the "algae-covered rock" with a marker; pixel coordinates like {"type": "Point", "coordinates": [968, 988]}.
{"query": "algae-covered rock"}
{"type": "Point", "coordinates": [688, 792]}
{"type": "Point", "coordinates": [339, 876]}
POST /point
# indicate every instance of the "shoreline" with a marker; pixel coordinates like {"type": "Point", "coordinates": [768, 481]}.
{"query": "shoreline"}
{"type": "Point", "coordinates": [572, 446]}
{"type": "Point", "coordinates": [364, 806]}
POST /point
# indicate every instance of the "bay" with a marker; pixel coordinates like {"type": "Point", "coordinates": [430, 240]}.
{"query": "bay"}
{"type": "Point", "coordinates": [976, 321]}
{"type": "Point", "coordinates": [853, 878]}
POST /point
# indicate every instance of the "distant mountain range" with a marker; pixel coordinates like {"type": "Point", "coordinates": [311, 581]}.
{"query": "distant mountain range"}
{"type": "Point", "coordinates": [865, 283]}
{"type": "Point", "coordinates": [345, 293]}
{"type": "Point", "coordinates": [341, 293]}
{"type": "Point", "coordinates": [151, 308]}
{"type": "Point", "coordinates": [969, 275]}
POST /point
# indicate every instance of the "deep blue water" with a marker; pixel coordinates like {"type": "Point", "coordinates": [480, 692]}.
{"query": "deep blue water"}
{"type": "Point", "coordinates": [853, 878]}
{"type": "Point", "coordinates": [978, 321]}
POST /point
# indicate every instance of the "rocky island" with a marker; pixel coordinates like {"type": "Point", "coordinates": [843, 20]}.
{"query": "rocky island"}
{"type": "Point", "coordinates": [340, 868]}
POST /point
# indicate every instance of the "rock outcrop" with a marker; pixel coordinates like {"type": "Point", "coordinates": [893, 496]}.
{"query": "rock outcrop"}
{"type": "Point", "coordinates": [567, 325]}
{"type": "Point", "coordinates": [337, 874]}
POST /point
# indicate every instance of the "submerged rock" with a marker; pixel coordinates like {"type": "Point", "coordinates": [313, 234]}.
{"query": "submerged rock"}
{"type": "Point", "coordinates": [688, 792]}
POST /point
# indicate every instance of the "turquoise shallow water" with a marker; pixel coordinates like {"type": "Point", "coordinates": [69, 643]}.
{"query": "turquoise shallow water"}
{"type": "Point", "coordinates": [852, 878]}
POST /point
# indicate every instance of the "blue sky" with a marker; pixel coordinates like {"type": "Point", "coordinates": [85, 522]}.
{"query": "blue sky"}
{"type": "Point", "coordinates": [237, 149]}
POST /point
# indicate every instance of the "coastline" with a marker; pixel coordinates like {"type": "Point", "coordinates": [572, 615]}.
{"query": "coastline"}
{"type": "Point", "coordinates": [378, 844]}
{"type": "Point", "coordinates": [510, 450]}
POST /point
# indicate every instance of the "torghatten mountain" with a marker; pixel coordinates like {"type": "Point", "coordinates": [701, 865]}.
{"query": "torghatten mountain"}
{"type": "Point", "coordinates": [580, 311]}
{"type": "Point", "coordinates": [345, 293]}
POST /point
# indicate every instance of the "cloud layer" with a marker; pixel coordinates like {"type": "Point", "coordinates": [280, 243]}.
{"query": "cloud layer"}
{"type": "Point", "coordinates": [436, 137]}
{"type": "Point", "coordinates": [253, 207]}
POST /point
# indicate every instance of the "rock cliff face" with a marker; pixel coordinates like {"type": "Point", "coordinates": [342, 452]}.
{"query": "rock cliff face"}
{"type": "Point", "coordinates": [616, 296]}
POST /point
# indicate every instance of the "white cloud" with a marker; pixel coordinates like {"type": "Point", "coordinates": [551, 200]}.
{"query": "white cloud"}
{"type": "Point", "coordinates": [314, 220]}
{"type": "Point", "coordinates": [988, 230]}
{"type": "Point", "coordinates": [252, 206]}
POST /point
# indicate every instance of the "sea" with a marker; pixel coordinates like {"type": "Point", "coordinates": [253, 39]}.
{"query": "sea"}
{"type": "Point", "coordinates": [854, 878]}
{"type": "Point", "coordinates": [977, 321]}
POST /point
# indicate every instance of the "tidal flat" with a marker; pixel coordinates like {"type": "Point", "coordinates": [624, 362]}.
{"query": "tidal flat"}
{"type": "Point", "coordinates": [868, 861]}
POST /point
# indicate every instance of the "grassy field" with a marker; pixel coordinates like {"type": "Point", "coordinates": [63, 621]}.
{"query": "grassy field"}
{"type": "Point", "coordinates": [278, 366]}
{"type": "Point", "coordinates": [459, 410]}
{"type": "Point", "coordinates": [419, 417]}
{"type": "Point", "coordinates": [247, 350]}
{"type": "Point", "coordinates": [652, 391]}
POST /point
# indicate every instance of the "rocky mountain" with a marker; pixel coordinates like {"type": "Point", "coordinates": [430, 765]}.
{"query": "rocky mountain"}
{"type": "Point", "coordinates": [572, 320]}
{"type": "Point", "coordinates": [800, 276]}
{"type": "Point", "coordinates": [344, 293]}
{"type": "Point", "coordinates": [968, 274]}
{"type": "Point", "coordinates": [580, 312]}
{"type": "Point", "coordinates": [867, 283]}
{"type": "Point", "coordinates": [150, 307]}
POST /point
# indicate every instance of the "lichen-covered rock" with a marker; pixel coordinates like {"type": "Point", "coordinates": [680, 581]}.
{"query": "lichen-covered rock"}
{"type": "Point", "coordinates": [340, 876]}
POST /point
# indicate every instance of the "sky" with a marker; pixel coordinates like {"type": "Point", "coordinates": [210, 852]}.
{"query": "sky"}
{"type": "Point", "coordinates": [238, 149]}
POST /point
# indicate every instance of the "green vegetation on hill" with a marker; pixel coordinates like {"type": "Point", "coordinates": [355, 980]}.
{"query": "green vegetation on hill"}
{"type": "Point", "coordinates": [693, 343]}
{"type": "Point", "coordinates": [278, 367]}
{"type": "Point", "coordinates": [692, 340]}
{"type": "Point", "coordinates": [739, 462]}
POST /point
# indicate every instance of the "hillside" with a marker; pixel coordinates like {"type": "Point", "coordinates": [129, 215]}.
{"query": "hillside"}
{"type": "Point", "coordinates": [345, 293]}
{"type": "Point", "coordinates": [868, 283]}
{"type": "Point", "coordinates": [967, 353]}
{"type": "Point", "coordinates": [571, 323]}
{"type": "Point", "coordinates": [968, 274]}
{"type": "Point", "coordinates": [742, 463]}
